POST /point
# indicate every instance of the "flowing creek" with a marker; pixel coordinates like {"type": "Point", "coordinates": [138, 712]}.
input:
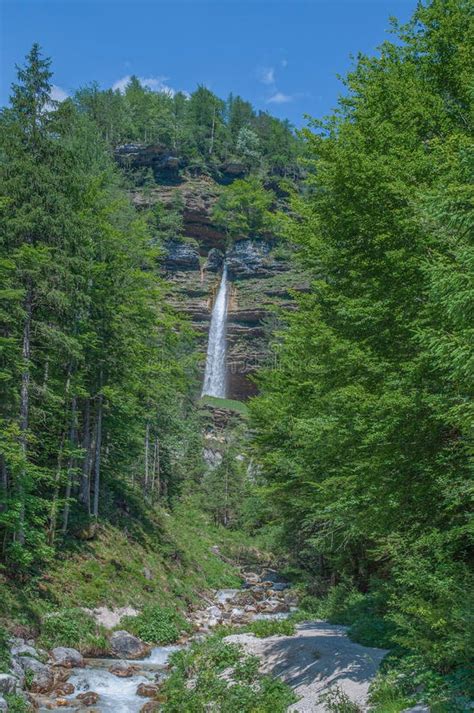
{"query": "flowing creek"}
{"type": "Point", "coordinates": [261, 597]}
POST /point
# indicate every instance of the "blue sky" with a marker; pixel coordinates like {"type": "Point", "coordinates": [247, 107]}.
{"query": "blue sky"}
{"type": "Point", "coordinates": [282, 55]}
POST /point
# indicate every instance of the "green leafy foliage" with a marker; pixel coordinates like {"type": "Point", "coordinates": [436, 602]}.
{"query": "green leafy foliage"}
{"type": "Point", "coordinates": [201, 131]}
{"type": "Point", "coordinates": [336, 701]}
{"type": "Point", "coordinates": [97, 369]}
{"type": "Point", "coordinates": [363, 430]}
{"type": "Point", "coordinates": [17, 704]}
{"type": "Point", "coordinates": [157, 625]}
{"type": "Point", "coordinates": [217, 674]}
{"type": "Point", "coordinates": [262, 628]}
{"type": "Point", "coordinates": [243, 209]}
{"type": "Point", "coordinates": [71, 627]}
{"type": "Point", "coordinates": [4, 651]}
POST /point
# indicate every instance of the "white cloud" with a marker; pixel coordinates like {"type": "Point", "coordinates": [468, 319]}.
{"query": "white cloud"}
{"type": "Point", "coordinates": [279, 98]}
{"type": "Point", "coordinates": [58, 94]}
{"type": "Point", "coordinates": [267, 75]}
{"type": "Point", "coordinates": [156, 84]}
{"type": "Point", "coordinates": [284, 63]}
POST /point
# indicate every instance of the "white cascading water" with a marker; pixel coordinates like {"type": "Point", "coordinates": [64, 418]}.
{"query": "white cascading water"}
{"type": "Point", "coordinates": [215, 375]}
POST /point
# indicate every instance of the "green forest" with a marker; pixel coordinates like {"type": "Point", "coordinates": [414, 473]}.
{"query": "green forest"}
{"type": "Point", "coordinates": [356, 477]}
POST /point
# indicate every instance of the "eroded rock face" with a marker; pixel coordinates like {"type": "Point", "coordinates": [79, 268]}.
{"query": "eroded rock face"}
{"type": "Point", "coordinates": [251, 258]}
{"type": "Point", "coordinates": [126, 646]}
{"type": "Point", "coordinates": [261, 277]}
{"type": "Point", "coordinates": [215, 260]}
{"type": "Point", "coordinates": [154, 156]}
{"type": "Point", "coordinates": [181, 256]}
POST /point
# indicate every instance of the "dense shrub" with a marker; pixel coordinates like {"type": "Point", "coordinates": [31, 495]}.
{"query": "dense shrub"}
{"type": "Point", "coordinates": [197, 682]}
{"type": "Point", "coordinates": [72, 627]}
{"type": "Point", "coordinates": [157, 625]}
{"type": "Point", "coordinates": [271, 627]}
{"type": "Point", "coordinates": [4, 651]}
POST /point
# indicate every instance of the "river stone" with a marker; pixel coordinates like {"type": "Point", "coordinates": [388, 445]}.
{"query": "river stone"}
{"type": "Point", "coordinates": [8, 683]}
{"type": "Point", "coordinates": [88, 698]}
{"type": "Point", "coordinates": [147, 690]}
{"type": "Point", "coordinates": [64, 689]}
{"type": "Point", "coordinates": [17, 671]}
{"type": "Point", "coordinates": [280, 586]}
{"type": "Point", "coordinates": [150, 707]}
{"type": "Point", "coordinates": [122, 669]}
{"type": "Point", "coordinates": [43, 679]}
{"type": "Point", "coordinates": [3, 704]}
{"type": "Point", "coordinates": [126, 646]}
{"type": "Point", "coordinates": [69, 658]}
{"type": "Point", "coordinates": [24, 650]}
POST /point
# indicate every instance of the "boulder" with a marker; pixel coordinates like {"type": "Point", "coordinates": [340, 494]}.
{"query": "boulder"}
{"type": "Point", "coordinates": [8, 683]}
{"type": "Point", "coordinates": [18, 671]}
{"type": "Point", "coordinates": [214, 612]}
{"type": "Point", "coordinates": [24, 650]}
{"type": "Point", "coordinates": [64, 689]}
{"type": "Point", "coordinates": [122, 669]}
{"type": "Point", "coordinates": [42, 680]}
{"type": "Point", "coordinates": [88, 698]}
{"type": "Point", "coordinates": [238, 615]}
{"type": "Point", "coordinates": [69, 658]}
{"type": "Point", "coordinates": [126, 646]}
{"type": "Point", "coordinates": [280, 586]}
{"type": "Point", "coordinates": [150, 707]}
{"type": "Point", "coordinates": [3, 704]}
{"type": "Point", "coordinates": [147, 690]}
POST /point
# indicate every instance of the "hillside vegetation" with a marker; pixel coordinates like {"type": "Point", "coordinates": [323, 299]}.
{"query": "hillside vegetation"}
{"type": "Point", "coordinates": [364, 431]}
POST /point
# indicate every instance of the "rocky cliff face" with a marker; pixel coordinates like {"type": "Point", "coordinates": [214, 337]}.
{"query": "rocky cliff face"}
{"type": "Point", "coordinates": [260, 280]}
{"type": "Point", "coordinates": [261, 275]}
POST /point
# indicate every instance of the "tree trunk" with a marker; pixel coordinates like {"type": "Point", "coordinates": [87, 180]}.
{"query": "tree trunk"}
{"type": "Point", "coordinates": [155, 481]}
{"type": "Point", "coordinates": [85, 490]}
{"type": "Point", "coordinates": [71, 463]}
{"type": "Point", "coordinates": [147, 451]}
{"type": "Point", "coordinates": [98, 444]}
{"type": "Point", "coordinates": [211, 145]}
{"type": "Point", "coordinates": [25, 406]}
{"type": "Point", "coordinates": [3, 483]}
{"type": "Point", "coordinates": [54, 502]}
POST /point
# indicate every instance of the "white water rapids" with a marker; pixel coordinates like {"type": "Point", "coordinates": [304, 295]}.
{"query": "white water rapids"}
{"type": "Point", "coordinates": [215, 375]}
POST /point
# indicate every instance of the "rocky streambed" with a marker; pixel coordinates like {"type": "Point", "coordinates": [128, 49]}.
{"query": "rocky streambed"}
{"type": "Point", "coordinates": [63, 679]}
{"type": "Point", "coordinates": [317, 657]}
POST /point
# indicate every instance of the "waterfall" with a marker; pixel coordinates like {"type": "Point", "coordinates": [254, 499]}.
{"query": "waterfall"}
{"type": "Point", "coordinates": [215, 375]}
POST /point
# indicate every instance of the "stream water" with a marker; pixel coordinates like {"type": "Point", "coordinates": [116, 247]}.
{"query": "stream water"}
{"type": "Point", "coordinates": [215, 374]}
{"type": "Point", "coordinates": [119, 695]}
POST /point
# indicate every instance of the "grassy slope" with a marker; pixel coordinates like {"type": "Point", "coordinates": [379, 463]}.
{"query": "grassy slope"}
{"type": "Point", "coordinates": [167, 562]}
{"type": "Point", "coordinates": [230, 404]}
